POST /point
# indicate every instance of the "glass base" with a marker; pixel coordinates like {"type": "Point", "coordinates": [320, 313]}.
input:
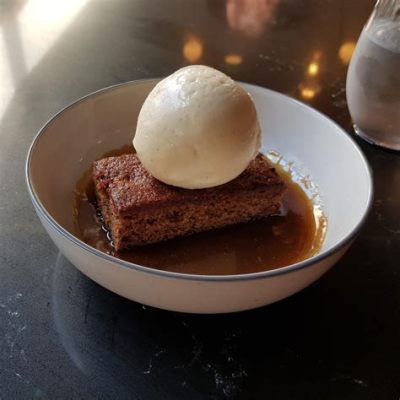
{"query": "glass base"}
{"type": "Point", "coordinates": [376, 142]}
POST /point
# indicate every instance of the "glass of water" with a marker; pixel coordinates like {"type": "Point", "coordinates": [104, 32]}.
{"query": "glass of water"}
{"type": "Point", "coordinates": [373, 78]}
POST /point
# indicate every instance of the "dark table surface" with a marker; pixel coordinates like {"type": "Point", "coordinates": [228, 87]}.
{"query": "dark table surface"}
{"type": "Point", "coordinates": [64, 337]}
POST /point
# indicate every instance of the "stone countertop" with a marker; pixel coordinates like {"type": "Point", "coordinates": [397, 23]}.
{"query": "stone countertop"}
{"type": "Point", "coordinates": [64, 337]}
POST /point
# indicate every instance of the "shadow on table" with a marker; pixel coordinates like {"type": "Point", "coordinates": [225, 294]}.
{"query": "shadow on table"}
{"type": "Point", "coordinates": [301, 345]}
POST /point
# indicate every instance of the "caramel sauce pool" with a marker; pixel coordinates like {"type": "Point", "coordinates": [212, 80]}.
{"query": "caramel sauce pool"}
{"type": "Point", "coordinates": [277, 241]}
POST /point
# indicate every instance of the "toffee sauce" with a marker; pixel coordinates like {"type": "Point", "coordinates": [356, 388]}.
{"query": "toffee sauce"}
{"type": "Point", "coordinates": [296, 233]}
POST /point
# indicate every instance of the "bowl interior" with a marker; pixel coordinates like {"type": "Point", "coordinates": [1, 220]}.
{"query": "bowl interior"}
{"type": "Point", "coordinates": [106, 120]}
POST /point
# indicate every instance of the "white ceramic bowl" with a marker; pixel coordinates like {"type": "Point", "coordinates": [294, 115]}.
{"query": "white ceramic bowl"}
{"type": "Point", "coordinates": [66, 146]}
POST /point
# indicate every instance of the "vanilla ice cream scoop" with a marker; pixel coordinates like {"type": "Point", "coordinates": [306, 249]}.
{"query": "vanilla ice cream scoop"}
{"type": "Point", "coordinates": [197, 129]}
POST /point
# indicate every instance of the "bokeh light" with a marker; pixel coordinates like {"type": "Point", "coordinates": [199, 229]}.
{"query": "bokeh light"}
{"type": "Point", "coordinates": [313, 68]}
{"type": "Point", "coordinates": [346, 51]}
{"type": "Point", "coordinates": [192, 49]}
{"type": "Point", "coordinates": [233, 59]}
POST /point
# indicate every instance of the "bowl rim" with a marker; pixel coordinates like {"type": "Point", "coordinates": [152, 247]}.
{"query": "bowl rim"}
{"type": "Point", "coordinates": [179, 275]}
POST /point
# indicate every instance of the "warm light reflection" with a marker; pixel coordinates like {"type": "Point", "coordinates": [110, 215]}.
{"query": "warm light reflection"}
{"type": "Point", "coordinates": [307, 93]}
{"type": "Point", "coordinates": [309, 90]}
{"type": "Point", "coordinates": [52, 12]}
{"type": "Point", "coordinates": [310, 87]}
{"type": "Point", "coordinates": [233, 59]}
{"type": "Point", "coordinates": [317, 54]}
{"type": "Point", "coordinates": [192, 49]}
{"type": "Point", "coordinates": [42, 21]}
{"type": "Point", "coordinates": [313, 68]}
{"type": "Point", "coordinates": [346, 51]}
{"type": "Point", "coordinates": [250, 17]}
{"type": "Point", "coordinates": [25, 37]}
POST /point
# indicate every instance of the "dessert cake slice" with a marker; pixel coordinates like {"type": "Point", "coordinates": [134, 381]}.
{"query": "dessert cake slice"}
{"type": "Point", "coordinates": [138, 209]}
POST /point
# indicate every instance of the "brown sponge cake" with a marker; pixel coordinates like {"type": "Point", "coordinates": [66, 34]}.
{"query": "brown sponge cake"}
{"type": "Point", "coordinates": [138, 209]}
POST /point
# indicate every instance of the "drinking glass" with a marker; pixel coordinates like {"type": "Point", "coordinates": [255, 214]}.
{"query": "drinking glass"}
{"type": "Point", "coordinates": [373, 78]}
